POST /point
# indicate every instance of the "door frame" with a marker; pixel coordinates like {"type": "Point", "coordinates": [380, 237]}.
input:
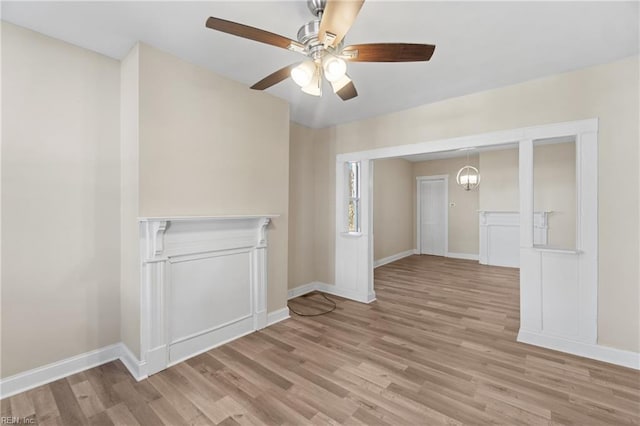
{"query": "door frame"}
{"type": "Point", "coordinates": [354, 251]}
{"type": "Point", "coordinates": [419, 180]}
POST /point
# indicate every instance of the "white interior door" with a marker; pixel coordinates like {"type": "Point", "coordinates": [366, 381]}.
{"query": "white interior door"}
{"type": "Point", "coordinates": [433, 217]}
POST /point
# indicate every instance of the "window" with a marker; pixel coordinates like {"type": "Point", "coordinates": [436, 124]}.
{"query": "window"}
{"type": "Point", "coordinates": [353, 194]}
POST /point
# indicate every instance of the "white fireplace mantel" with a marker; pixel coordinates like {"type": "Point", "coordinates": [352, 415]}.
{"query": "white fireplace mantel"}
{"type": "Point", "coordinates": [500, 236]}
{"type": "Point", "coordinates": [204, 282]}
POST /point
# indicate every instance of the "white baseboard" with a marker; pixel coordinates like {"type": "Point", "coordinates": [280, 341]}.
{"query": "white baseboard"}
{"type": "Point", "coordinates": [137, 368]}
{"type": "Point", "coordinates": [39, 376]}
{"type": "Point", "coordinates": [393, 258]}
{"type": "Point", "coordinates": [598, 352]}
{"type": "Point", "coordinates": [332, 289]}
{"type": "Point", "coordinates": [329, 289]}
{"type": "Point", "coordinates": [302, 289]}
{"type": "Point", "coordinates": [21, 382]}
{"type": "Point", "coordinates": [277, 316]}
{"type": "Point", "coordinates": [466, 256]}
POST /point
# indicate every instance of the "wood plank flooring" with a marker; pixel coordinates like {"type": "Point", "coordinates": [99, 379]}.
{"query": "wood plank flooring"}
{"type": "Point", "coordinates": [437, 347]}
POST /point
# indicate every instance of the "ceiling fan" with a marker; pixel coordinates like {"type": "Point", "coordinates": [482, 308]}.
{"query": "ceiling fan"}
{"type": "Point", "coordinates": [322, 41]}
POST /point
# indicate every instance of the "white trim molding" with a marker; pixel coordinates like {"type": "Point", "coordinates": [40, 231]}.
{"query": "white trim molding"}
{"type": "Point", "coordinates": [277, 316]}
{"type": "Point", "coordinates": [559, 288]}
{"type": "Point", "coordinates": [45, 374]}
{"type": "Point", "coordinates": [137, 368]}
{"type": "Point", "coordinates": [465, 256]}
{"type": "Point", "coordinates": [568, 310]}
{"type": "Point", "coordinates": [39, 376]}
{"type": "Point", "coordinates": [500, 236]}
{"type": "Point", "coordinates": [345, 293]}
{"type": "Point", "coordinates": [392, 258]}
{"type": "Point", "coordinates": [587, 350]}
{"type": "Point", "coordinates": [330, 289]}
{"type": "Point", "coordinates": [302, 290]}
{"type": "Point", "coordinates": [502, 137]}
{"type": "Point", "coordinates": [185, 260]}
{"type": "Point", "coordinates": [354, 253]}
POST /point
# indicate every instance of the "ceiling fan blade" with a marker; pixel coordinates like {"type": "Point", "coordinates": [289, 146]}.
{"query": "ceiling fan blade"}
{"type": "Point", "coordinates": [252, 33]}
{"type": "Point", "coordinates": [388, 52]}
{"type": "Point", "coordinates": [338, 16]}
{"type": "Point", "coordinates": [274, 78]}
{"type": "Point", "coordinates": [345, 88]}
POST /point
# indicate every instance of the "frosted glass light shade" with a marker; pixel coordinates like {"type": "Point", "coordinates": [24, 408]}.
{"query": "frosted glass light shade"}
{"type": "Point", "coordinates": [303, 73]}
{"type": "Point", "coordinates": [314, 87]}
{"type": "Point", "coordinates": [334, 68]}
{"type": "Point", "coordinates": [468, 179]}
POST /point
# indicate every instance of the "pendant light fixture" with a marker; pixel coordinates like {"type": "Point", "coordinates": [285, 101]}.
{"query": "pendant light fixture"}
{"type": "Point", "coordinates": [468, 176]}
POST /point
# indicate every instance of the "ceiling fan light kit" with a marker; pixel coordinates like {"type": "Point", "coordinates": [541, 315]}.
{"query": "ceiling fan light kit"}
{"type": "Point", "coordinates": [304, 73]}
{"type": "Point", "coordinates": [334, 68]}
{"type": "Point", "coordinates": [314, 87]}
{"type": "Point", "coordinates": [322, 42]}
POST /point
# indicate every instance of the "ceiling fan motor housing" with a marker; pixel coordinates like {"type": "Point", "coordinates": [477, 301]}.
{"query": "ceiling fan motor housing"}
{"type": "Point", "coordinates": [316, 6]}
{"type": "Point", "coordinates": [308, 35]}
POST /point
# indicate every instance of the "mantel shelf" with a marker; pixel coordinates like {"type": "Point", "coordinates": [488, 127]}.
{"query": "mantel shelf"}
{"type": "Point", "coordinates": [184, 218]}
{"type": "Point", "coordinates": [511, 211]}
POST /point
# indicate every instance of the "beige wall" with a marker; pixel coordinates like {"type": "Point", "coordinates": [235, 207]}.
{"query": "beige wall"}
{"type": "Point", "coordinates": [129, 195]}
{"type": "Point", "coordinates": [325, 221]}
{"type": "Point", "coordinates": [554, 181]}
{"type": "Point", "coordinates": [554, 173]}
{"type": "Point", "coordinates": [499, 181]}
{"type": "Point", "coordinates": [212, 146]}
{"type": "Point", "coordinates": [463, 217]}
{"type": "Point", "coordinates": [60, 199]}
{"type": "Point", "coordinates": [83, 154]}
{"type": "Point", "coordinates": [554, 190]}
{"type": "Point", "coordinates": [310, 245]}
{"type": "Point", "coordinates": [302, 210]}
{"type": "Point", "coordinates": [393, 207]}
{"type": "Point", "coordinates": [609, 92]}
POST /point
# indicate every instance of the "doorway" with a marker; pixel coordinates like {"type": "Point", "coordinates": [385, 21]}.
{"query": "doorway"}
{"type": "Point", "coordinates": [432, 215]}
{"type": "Point", "coordinates": [541, 267]}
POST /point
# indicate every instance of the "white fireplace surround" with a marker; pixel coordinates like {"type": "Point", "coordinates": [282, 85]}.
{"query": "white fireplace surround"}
{"type": "Point", "coordinates": [204, 283]}
{"type": "Point", "coordinates": [500, 236]}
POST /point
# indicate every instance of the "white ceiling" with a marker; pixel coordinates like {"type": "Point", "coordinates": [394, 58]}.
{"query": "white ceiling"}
{"type": "Point", "coordinates": [480, 45]}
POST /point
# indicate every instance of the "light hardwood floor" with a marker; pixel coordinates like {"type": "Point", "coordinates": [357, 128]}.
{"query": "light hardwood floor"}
{"type": "Point", "coordinates": [437, 347]}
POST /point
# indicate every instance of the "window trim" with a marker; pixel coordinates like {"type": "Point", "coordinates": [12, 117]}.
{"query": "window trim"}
{"type": "Point", "coordinates": [355, 167]}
